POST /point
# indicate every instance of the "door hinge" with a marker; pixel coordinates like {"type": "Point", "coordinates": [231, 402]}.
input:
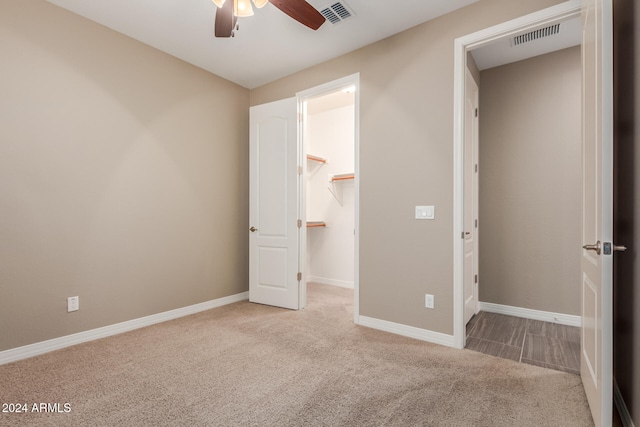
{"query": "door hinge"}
{"type": "Point", "coordinates": [299, 170]}
{"type": "Point", "coordinates": [299, 223]}
{"type": "Point", "coordinates": [462, 235]}
{"type": "Point", "coordinates": [476, 223]}
{"type": "Point", "coordinates": [476, 279]}
{"type": "Point", "coordinates": [476, 112]}
{"type": "Point", "coordinates": [300, 117]}
{"type": "Point", "coordinates": [476, 168]}
{"type": "Point", "coordinates": [299, 276]}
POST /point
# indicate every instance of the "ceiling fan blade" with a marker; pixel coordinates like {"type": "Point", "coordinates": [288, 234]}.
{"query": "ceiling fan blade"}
{"type": "Point", "coordinates": [225, 20]}
{"type": "Point", "coordinates": [301, 11]}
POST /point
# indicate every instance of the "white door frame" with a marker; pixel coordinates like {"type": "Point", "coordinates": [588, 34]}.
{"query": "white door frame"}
{"type": "Point", "coordinates": [303, 96]}
{"type": "Point", "coordinates": [549, 16]}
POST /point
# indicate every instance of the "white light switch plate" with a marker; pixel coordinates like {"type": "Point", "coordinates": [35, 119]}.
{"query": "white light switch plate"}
{"type": "Point", "coordinates": [425, 212]}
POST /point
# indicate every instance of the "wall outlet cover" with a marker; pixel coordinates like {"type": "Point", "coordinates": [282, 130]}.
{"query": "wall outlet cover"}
{"type": "Point", "coordinates": [73, 304]}
{"type": "Point", "coordinates": [429, 301]}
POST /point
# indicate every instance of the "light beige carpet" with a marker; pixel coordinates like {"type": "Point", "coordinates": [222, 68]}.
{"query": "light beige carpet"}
{"type": "Point", "coordinates": [247, 364]}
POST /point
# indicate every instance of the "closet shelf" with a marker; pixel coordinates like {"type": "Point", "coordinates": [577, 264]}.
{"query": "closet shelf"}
{"type": "Point", "coordinates": [343, 177]}
{"type": "Point", "coordinates": [311, 224]}
{"type": "Point", "coordinates": [316, 158]}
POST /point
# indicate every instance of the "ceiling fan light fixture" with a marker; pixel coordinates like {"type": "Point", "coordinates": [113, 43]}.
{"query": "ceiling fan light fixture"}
{"type": "Point", "coordinates": [243, 8]}
{"type": "Point", "coordinates": [228, 12]}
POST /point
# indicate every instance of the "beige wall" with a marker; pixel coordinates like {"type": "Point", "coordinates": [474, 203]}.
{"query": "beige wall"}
{"type": "Point", "coordinates": [124, 172]}
{"type": "Point", "coordinates": [531, 183]}
{"type": "Point", "coordinates": [406, 159]}
{"type": "Point", "coordinates": [123, 177]}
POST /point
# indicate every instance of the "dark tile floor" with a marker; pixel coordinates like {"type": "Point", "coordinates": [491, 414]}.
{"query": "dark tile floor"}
{"type": "Point", "coordinates": [534, 342]}
{"type": "Point", "coordinates": [538, 343]}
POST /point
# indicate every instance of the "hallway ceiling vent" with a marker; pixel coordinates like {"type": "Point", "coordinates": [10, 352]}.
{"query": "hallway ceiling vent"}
{"type": "Point", "coordinates": [535, 35]}
{"type": "Point", "coordinates": [337, 12]}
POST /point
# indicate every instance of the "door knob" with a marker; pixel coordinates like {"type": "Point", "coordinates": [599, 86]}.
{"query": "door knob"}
{"type": "Point", "coordinates": [253, 229]}
{"type": "Point", "coordinates": [595, 247]}
{"type": "Point", "coordinates": [619, 248]}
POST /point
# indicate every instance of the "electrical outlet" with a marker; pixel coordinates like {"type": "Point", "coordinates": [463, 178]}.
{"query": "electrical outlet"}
{"type": "Point", "coordinates": [73, 304]}
{"type": "Point", "coordinates": [429, 301]}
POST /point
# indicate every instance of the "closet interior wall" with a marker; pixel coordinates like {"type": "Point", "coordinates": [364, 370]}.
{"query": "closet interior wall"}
{"type": "Point", "coordinates": [330, 136]}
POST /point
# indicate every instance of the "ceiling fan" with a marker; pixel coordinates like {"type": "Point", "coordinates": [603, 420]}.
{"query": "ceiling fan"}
{"type": "Point", "coordinates": [229, 11]}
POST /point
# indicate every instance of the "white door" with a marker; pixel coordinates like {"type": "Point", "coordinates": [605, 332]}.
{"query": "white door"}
{"type": "Point", "coordinates": [597, 260]}
{"type": "Point", "coordinates": [273, 205]}
{"type": "Point", "coordinates": [470, 199]}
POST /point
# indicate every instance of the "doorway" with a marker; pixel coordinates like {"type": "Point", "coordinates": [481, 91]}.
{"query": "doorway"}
{"type": "Point", "coordinates": [330, 186]}
{"type": "Point", "coordinates": [465, 65]}
{"type": "Point", "coordinates": [329, 130]}
{"type": "Point", "coordinates": [530, 209]}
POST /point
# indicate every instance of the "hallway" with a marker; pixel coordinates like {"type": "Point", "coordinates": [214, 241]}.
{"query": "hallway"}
{"type": "Point", "coordinates": [535, 342]}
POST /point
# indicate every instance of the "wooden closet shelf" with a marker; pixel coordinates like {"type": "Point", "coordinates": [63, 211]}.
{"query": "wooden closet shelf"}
{"type": "Point", "coordinates": [311, 224]}
{"type": "Point", "coordinates": [316, 158]}
{"type": "Point", "coordinates": [343, 177]}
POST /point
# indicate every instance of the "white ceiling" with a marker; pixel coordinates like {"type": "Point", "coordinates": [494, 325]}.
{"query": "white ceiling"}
{"type": "Point", "coordinates": [268, 45]}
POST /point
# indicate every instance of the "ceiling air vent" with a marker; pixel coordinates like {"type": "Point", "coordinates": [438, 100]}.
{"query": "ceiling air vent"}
{"type": "Point", "coordinates": [535, 35]}
{"type": "Point", "coordinates": [337, 12]}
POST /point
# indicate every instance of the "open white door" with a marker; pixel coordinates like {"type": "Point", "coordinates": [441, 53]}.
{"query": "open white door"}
{"type": "Point", "coordinates": [597, 259]}
{"type": "Point", "coordinates": [470, 198]}
{"type": "Point", "coordinates": [273, 207]}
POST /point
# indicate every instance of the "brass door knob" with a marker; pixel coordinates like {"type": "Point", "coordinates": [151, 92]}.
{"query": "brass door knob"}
{"type": "Point", "coordinates": [253, 229]}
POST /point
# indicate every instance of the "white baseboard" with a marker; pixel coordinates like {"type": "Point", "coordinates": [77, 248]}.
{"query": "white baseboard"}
{"type": "Point", "coordinates": [407, 331]}
{"type": "Point", "coordinates": [332, 282]}
{"type": "Point", "coordinates": [625, 416]}
{"type": "Point", "coordinates": [527, 313]}
{"type": "Point", "coordinates": [36, 349]}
